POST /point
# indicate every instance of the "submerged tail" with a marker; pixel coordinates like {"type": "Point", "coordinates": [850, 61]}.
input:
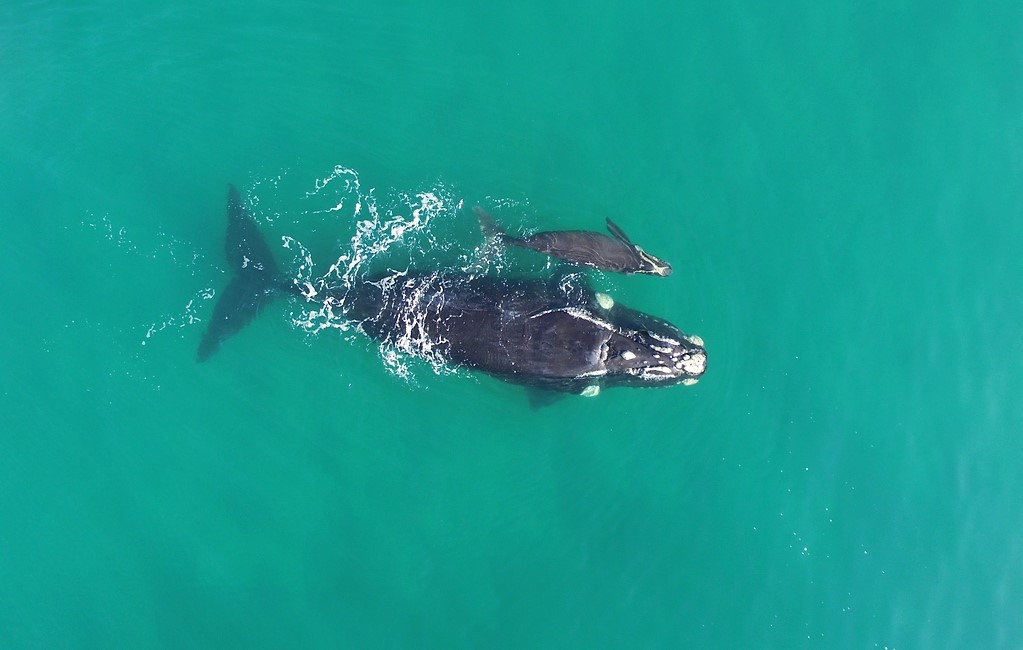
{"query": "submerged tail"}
{"type": "Point", "coordinates": [255, 280]}
{"type": "Point", "coordinates": [491, 229]}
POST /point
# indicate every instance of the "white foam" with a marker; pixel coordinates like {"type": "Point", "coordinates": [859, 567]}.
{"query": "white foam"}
{"type": "Point", "coordinates": [186, 317]}
{"type": "Point", "coordinates": [382, 225]}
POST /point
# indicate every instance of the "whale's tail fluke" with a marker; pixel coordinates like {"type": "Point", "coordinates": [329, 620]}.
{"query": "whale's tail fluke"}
{"type": "Point", "coordinates": [493, 230]}
{"type": "Point", "coordinates": [255, 278]}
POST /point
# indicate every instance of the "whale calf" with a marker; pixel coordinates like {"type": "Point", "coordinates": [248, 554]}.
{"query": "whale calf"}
{"type": "Point", "coordinates": [537, 332]}
{"type": "Point", "coordinates": [583, 247]}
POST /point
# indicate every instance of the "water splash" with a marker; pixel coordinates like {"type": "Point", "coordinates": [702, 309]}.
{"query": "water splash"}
{"type": "Point", "coordinates": [178, 252]}
{"type": "Point", "coordinates": [394, 230]}
{"type": "Point", "coordinates": [186, 317]}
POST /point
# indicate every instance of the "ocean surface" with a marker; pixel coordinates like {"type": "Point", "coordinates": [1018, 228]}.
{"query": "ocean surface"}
{"type": "Point", "coordinates": [839, 187]}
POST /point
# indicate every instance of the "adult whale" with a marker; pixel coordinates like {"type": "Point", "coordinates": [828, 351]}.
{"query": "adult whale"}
{"type": "Point", "coordinates": [583, 247]}
{"type": "Point", "coordinates": [541, 333]}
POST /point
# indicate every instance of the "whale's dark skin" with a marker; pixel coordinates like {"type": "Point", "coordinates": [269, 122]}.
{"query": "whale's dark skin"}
{"type": "Point", "coordinates": [543, 333]}
{"type": "Point", "coordinates": [583, 247]}
{"type": "Point", "coordinates": [528, 331]}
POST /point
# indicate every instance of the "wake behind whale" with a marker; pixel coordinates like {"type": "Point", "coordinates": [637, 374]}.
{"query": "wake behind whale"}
{"type": "Point", "coordinates": [537, 332]}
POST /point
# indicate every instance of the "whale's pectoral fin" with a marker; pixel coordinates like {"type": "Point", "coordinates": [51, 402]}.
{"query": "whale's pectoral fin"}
{"type": "Point", "coordinates": [619, 234]}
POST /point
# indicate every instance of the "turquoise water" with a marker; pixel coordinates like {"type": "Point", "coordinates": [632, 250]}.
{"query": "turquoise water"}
{"type": "Point", "coordinates": [837, 185]}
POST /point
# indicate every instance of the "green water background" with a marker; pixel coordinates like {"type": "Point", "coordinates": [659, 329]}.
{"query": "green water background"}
{"type": "Point", "coordinates": [837, 184]}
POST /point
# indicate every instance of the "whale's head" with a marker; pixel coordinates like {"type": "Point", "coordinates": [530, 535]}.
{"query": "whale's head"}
{"type": "Point", "coordinates": [643, 350]}
{"type": "Point", "coordinates": [652, 265]}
